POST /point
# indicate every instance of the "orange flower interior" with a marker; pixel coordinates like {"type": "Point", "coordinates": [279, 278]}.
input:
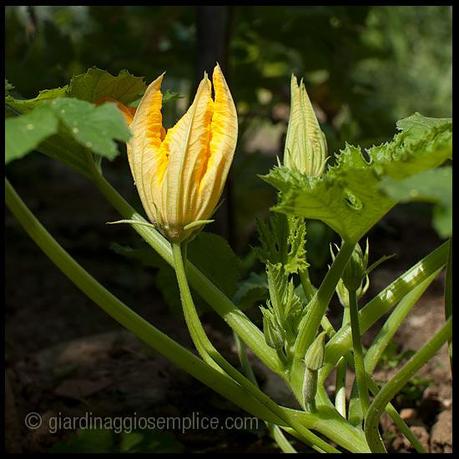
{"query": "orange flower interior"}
{"type": "Point", "coordinates": [212, 129]}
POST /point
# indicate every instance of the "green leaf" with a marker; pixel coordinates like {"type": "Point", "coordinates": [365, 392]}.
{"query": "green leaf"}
{"type": "Point", "coordinates": [296, 258]}
{"type": "Point", "coordinates": [216, 259]}
{"type": "Point", "coordinates": [97, 128]}
{"type": "Point", "coordinates": [97, 83]}
{"type": "Point", "coordinates": [251, 291]}
{"type": "Point", "coordinates": [419, 123]}
{"type": "Point", "coordinates": [348, 196]}
{"type": "Point", "coordinates": [19, 106]}
{"type": "Point", "coordinates": [24, 133]}
{"type": "Point", "coordinates": [170, 96]}
{"type": "Point", "coordinates": [272, 332]}
{"type": "Point", "coordinates": [65, 128]}
{"type": "Point", "coordinates": [434, 185]}
{"type": "Point", "coordinates": [283, 300]}
{"type": "Point", "coordinates": [284, 310]}
{"type": "Point", "coordinates": [93, 127]}
{"type": "Point", "coordinates": [222, 268]}
{"type": "Point", "coordinates": [283, 241]}
{"type": "Point", "coordinates": [89, 86]}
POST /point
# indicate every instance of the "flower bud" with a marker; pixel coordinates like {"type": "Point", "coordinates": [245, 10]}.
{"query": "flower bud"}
{"type": "Point", "coordinates": [272, 334]}
{"type": "Point", "coordinates": [309, 389]}
{"type": "Point", "coordinates": [356, 268]}
{"type": "Point", "coordinates": [313, 361]}
{"type": "Point", "coordinates": [305, 144]}
{"type": "Point", "coordinates": [314, 358]}
{"type": "Point", "coordinates": [343, 293]}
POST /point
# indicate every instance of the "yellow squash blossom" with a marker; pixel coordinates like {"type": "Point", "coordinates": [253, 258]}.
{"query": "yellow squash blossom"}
{"type": "Point", "coordinates": [180, 173]}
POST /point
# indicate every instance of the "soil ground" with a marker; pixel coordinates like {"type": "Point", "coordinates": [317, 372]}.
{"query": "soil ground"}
{"type": "Point", "coordinates": [66, 356]}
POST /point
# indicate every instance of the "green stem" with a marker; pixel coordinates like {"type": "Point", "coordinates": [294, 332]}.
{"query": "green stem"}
{"type": "Point", "coordinates": [275, 431]}
{"type": "Point", "coordinates": [391, 411]}
{"type": "Point", "coordinates": [340, 432]}
{"type": "Point", "coordinates": [308, 289]}
{"type": "Point", "coordinates": [146, 332]}
{"type": "Point", "coordinates": [316, 310]}
{"type": "Point", "coordinates": [281, 440]}
{"type": "Point", "coordinates": [393, 322]}
{"type": "Point", "coordinates": [340, 384]}
{"type": "Point", "coordinates": [355, 414]}
{"type": "Point", "coordinates": [327, 327]}
{"type": "Point", "coordinates": [319, 303]}
{"type": "Point", "coordinates": [341, 343]}
{"type": "Point", "coordinates": [374, 353]}
{"type": "Point", "coordinates": [322, 397]}
{"type": "Point", "coordinates": [329, 423]}
{"type": "Point", "coordinates": [398, 421]}
{"type": "Point", "coordinates": [209, 353]}
{"type": "Point", "coordinates": [244, 360]}
{"type": "Point", "coordinates": [153, 337]}
{"type": "Point", "coordinates": [360, 373]}
{"type": "Point", "coordinates": [233, 316]}
{"type": "Point", "coordinates": [341, 370]}
{"type": "Point", "coordinates": [396, 383]}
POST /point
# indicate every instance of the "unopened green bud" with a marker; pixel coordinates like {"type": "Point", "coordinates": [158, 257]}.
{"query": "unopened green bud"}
{"type": "Point", "coordinates": [314, 358]}
{"type": "Point", "coordinates": [356, 268]}
{"type": "Point", "coordinates": [272, 335]}
{"type": "Point", "coordinates": [313, 361]}
{"type": "Point", "coordinates": [309, 389]}
{"type": "Point", "coordinates": [343, 293]}
{"type": "Point", "coordinates": [305, 144]}
{"type": "Point", "coordinates": [341, 289]}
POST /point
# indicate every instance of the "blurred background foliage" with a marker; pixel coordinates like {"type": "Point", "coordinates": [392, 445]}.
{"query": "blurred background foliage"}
{"type": "Point", "coordinates": [364, 66]}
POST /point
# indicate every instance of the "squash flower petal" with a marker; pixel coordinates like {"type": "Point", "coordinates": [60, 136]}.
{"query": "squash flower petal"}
{"type": "Point", "coordinates": [180, 173]}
